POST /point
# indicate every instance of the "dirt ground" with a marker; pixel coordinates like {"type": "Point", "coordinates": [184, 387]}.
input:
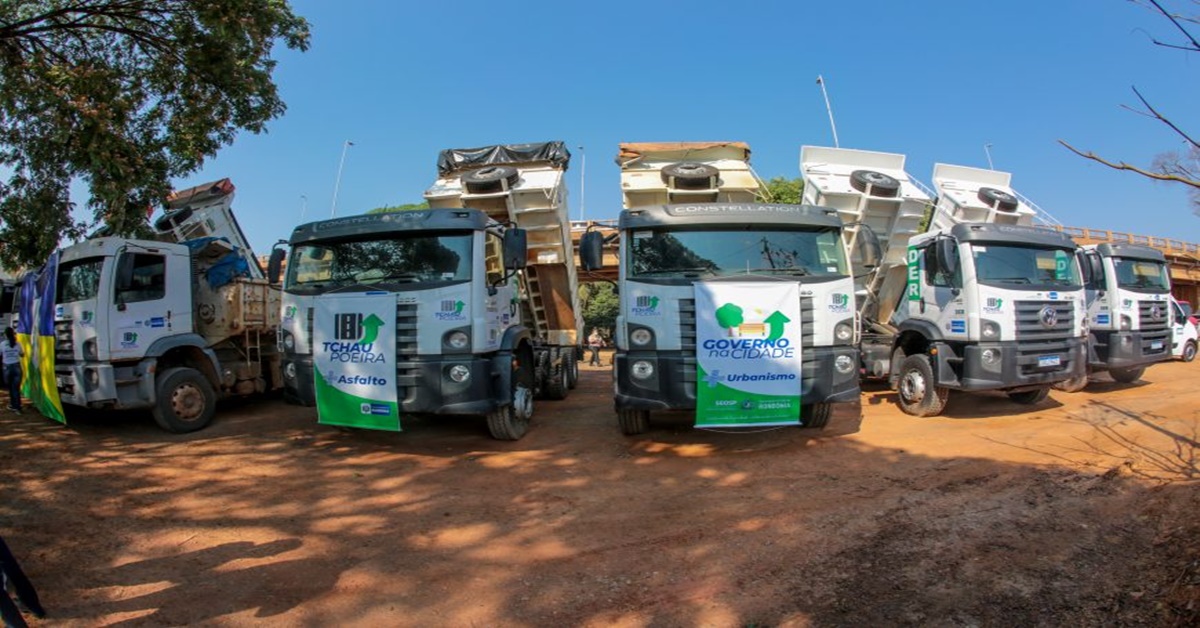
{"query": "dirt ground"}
{"type": "Point", "coordinates": [1079, 511]}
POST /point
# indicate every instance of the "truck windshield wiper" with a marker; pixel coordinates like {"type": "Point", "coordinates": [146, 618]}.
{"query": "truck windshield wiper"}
{"type": "Point", "coordinates": [1012, 279]}
{"type": "Point", "coordinates": [791, 270]}
{"type": "Point", "coordinates": [670, 271]}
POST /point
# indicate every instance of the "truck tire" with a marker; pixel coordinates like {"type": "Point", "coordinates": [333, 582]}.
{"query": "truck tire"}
{"type": "Point", "coordinates": [1127, 375]}
{"type": "Point", "coordinates": [184, 400]}
{"type": "Point", "coordinates": [816, 415]}
{"type": "Point", "coordinates": [490, 179]}
{"type": "Point", "coordinates": [874, 183]}
{"type": "Point", "coordinates": [1029, 397]}
{"type": "Point", "coordinates": [919, 394]}
{"type": "Point", "coordinates": [557, 383]}
{"type": "Point", "coordinates": [998, 199]}
{"type": "Point", "coordinates": [1075, 384]}
{"type": "Point", "coordinates": [511, 421]}
{"type": "Point", "coordinates": [690, 175]}
{"type": "Point", "coordinates": [1189, 351]}
{"type": "Point", "coordinates": [633, 422]}
{"type": "Point", "coordinates": [571, 357]}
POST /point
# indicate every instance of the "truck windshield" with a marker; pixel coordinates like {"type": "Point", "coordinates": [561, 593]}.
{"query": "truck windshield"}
{"type": "Point", "coordinates": [423, 258]}
{"type": "Point", "coordinates": [807, 253]}
{"type": "Point", "coordinates": [1142, 275]}
{"type": "Point", "coordinates": [79, 280]}
{"type": "Point", "coordinates": [1008, 265]}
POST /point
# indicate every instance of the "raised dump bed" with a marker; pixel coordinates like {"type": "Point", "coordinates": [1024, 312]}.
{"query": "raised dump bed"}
{"type": "Point", "coordinates": [662, 173]}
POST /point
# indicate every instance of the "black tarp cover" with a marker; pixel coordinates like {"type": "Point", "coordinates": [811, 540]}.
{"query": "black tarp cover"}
{"type": "Point", "coordinates": [458, 159]}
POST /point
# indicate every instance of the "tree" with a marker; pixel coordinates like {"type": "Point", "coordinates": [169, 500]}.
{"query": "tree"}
{"type": "Point", "coordinates": [729, 316]}
{"type": "Point", "coordinates": [400, 208]}
{"type": "Point", "coordinates": [783, 190]}
{"type": "Point", "coordinates": [124, 95]}
{"type": "Point", "coordinates": [1180, 167]}
{"type": "Point", "coordinates": [600, 305]}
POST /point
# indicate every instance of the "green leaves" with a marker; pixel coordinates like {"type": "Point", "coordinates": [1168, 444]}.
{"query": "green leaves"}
{"type": "Point", "coordinates": [123, 95]}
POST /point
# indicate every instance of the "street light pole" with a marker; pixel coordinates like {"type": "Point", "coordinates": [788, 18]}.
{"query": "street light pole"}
{"type": "Point", "coordinates": [338, 182]}
{"type": "Point", "coordinates": [829, 109]}
{"type": "Point", "coordinates": [303, 207]}
{"type": "Point", "coordinates": [987, 150]}
{"type": "Point", "coordinates": [582, 181]}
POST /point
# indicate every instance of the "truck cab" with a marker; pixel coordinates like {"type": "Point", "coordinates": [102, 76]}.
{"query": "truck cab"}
{"type": "Point", "coordinates": [448, 338]}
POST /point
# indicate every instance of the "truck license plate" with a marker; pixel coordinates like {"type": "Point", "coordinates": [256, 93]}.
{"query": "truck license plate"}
{"type": "Point", "coordinates": [1049, 360]}
{"type": "Point", "coordinates": [1156, 345]}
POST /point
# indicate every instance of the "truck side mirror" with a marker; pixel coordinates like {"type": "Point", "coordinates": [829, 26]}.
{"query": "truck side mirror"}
{"type": "Point", "coordinates": [1085, 269]}
{"type": "Point", "coordinates": [591, 251]}
{"type": "Point", "coordinates": [1096, 268]}
{"type": "Point", "coordinates": [515, 249]}
{"type": "Point", "coordinates": [869, 249]}
{"type": "Point", "coordinates": [275, 265]}
{"type": "Point", "coordinates": [947, 255]}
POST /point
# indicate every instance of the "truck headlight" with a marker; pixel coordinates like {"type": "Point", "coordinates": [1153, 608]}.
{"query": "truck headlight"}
{"type": "Point", "coordinates": [289, 370]}
{"type": "Point", "coordinates": [990, 330]}
{"type": "Point", "coordinates": [289, 341]}
{"type": "Point", "coordinates": [844, 364]}
{"type": "Point", "coordinates": [641, 337]}
{"type": "Point", "coordinates": [843, 333]}
{"type": "Point", "coordinates": [458, 340]}
{"type": "Point", "coordinates": [90, 352]}
{"type": "Point", "coordinates": [991, 356]}
{"type": "Point", "coordinates": [642, 369]}
{"type": "Point", "coordinates": [459, 373]}
{"type": "Point", "coordinates": [1126, 322]}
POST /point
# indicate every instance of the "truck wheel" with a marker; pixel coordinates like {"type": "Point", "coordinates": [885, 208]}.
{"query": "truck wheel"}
{"type": "Point", "coordinates": [1075, 384]}
{"type": "Point", "coordinates": [919, 393]}
{"type": "Point", "coordinates": [1189, 351]}
{"type": "Point", "coordinates": [558, 381]}
{"type": "Point", "coordinates": [1029, 397]}
{"type": "Point", "coordinates": [998, 199]}
{"type": "Point", "coordinates": [490, 179]}
{"type": "Point", "coordinates": [816, 415]}
{"type": "Point", "coordinates": [874, 183]}
{"type": "Point", "coordinates": [633, 422]}
{"type": "Point", "coordinates": [571, 358]}
{"type": "Point", "coordinates": [690, 175]}
{"type": "Point", "coordinates": [1129, 375]}
{"type": "Point", "coordinates": [185, 401]}
{"type": "Point", "coordinates": [510, 422]}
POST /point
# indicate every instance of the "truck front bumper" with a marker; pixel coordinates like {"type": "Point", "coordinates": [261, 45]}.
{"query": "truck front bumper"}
{"type": "Point", "coordinates": [1127, 349]}
{"type": "Point", "coordinates": [672, 386]}
{"type": "Point", "coordinates": [105, 385]}
{"type": "Point", "coordinates": [423, 384]}
{"type": "Point", "coordinates": [1009, 365]}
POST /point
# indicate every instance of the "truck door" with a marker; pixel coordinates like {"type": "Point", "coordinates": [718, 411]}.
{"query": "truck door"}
{"type": "Point", "coordinates": [941, 296]}
{"type": "Point", "coordinates": [143, 303]}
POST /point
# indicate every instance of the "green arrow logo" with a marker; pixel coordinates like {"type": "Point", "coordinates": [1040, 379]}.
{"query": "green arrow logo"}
{"type": "Point", "coordinates": [458, 306]}
{"type": "Point", "coordinates": [776, 321]}
{"type": "Point", "coordinates": [370, 329]}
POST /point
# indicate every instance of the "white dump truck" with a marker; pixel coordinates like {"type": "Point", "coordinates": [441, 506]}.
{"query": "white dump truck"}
{"type": "Point", "coordinates": [982, 300]}
{"type": "Point", "coordinates": [170, 324]}
{"type": "Point", "coordinates": [467, 308]}
{"type": "Point", "coordinates": [1128, 309]}
{"type": "Point", "coordinates": [736, 310]}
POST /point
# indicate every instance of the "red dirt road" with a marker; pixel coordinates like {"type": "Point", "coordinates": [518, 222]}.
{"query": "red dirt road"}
{"type": "Point", "coordinates": [1079, 511]}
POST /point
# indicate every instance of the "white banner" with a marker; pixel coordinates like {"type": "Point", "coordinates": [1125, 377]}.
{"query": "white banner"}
{"type": "Point", "coordinates": [747, 353]}
{"type": "Point", "coordinates": [354, 360]}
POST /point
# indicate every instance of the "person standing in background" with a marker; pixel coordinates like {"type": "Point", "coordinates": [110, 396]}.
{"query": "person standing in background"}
{"type": "Point", "coordinates": [12, 354]}
{"type": "Point", "coordinates": [595, 343]}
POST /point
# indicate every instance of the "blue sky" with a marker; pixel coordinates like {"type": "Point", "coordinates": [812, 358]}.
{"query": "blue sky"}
{"type": "Point", "coordinates": [935, 80]}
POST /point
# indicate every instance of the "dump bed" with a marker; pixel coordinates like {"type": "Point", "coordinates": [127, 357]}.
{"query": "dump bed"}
{"type": "Point", "coordinates": [663, 173]}
{"type": "Point", "coordinates": [206, 211]}
{"type": "Point", "coordinates": [524, 184]}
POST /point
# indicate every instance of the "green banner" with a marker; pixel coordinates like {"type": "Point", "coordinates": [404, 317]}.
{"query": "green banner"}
{"type": "Point", "coordinates": [354, 360]}
{"type": "Point", "coordinates": [748, 354]}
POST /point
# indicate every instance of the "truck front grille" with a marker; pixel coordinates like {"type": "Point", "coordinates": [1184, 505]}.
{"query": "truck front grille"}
{"type": "Point", "coordinates": [1036, 339]}
{"type": "Point", "coordinates": [407, 373]}
{"type": "Point", "coordinates": [1155, 324]}
{"type": "Point", "coordinates": [64, 342]}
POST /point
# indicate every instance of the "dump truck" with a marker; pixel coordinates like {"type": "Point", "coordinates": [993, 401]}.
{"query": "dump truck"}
{"type": "Point", "coordinates": [1128, 289]}
{"type": "Point", "coordinates": [171, 324]}
{"type": "Point", "coordinates": [734, 309]}
{"type": "Point", "coordinates": [467, 308]}
{"type": "Point", "coordinates": [979, 299]}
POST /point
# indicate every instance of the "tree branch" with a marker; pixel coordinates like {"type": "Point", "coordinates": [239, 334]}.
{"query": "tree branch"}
{"type": "Point", "coordinates": [1164, 120]}
{"type": "Point", "coordinates": [1161, 176]}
